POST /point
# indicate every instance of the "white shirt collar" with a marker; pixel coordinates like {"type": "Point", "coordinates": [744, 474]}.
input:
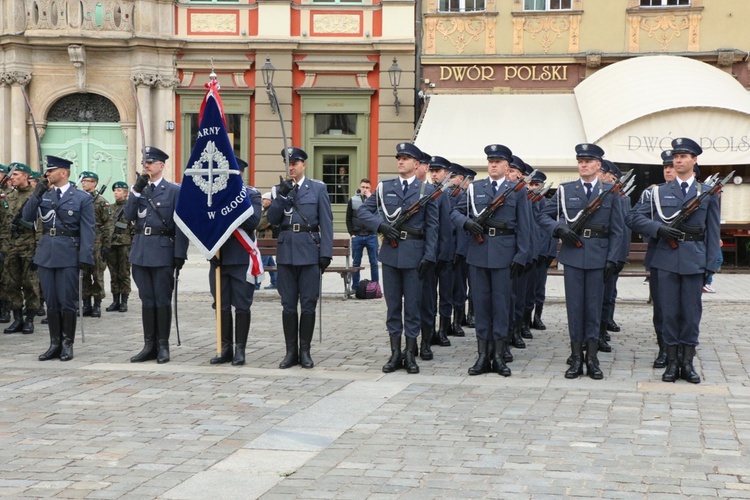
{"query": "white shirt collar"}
{"type": "Point", "coordinates": [593, 183]}
{"type": "Point", "coordinates": [690, 181]}
{"type": "Point", "coordinates": [408, 180]}
{"type": "Point", "coordinates": [64, 188]}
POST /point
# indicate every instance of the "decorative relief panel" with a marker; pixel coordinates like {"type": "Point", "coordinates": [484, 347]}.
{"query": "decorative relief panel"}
{"type": "Point", "coordinates": [546, 30]}
{"type": "Point", "coordinates": [213, 23]}
{"type": "Point", "coordinates": [93, 15]}
{"type": "Point", "coordinates": [665, 29]}
{"type": "Point", "coordinates": [461, 32]}
{"type": "Point", "coordinates": [11, 77]}
{"type": "Point", "coordinates": [336, 24]}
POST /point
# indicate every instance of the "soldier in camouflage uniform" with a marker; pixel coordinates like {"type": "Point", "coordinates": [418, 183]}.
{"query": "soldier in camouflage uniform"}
{"type": "Point", "coordinates": [117, 259]}
{"type": "Point", "coordinates": [23, 283]}
{"type": "Point", "coordinates": [5, 188]}
{"type": "Point", "coordinates": [93, 281]}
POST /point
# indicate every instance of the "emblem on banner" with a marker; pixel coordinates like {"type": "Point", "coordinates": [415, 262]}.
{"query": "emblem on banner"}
{"type": "Point", "coordinates": [217, 171]}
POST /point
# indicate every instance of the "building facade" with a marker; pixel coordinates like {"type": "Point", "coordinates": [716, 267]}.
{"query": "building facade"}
{"type": "Point", "coordinates": [83, 62]}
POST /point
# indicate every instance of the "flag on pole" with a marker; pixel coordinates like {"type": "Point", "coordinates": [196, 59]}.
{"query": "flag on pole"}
{"type": "Point", "coordinates": [213, 201]}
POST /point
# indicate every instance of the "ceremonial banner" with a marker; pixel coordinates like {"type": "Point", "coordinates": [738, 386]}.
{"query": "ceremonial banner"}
{"type": "Point", "coordinates": [213, 201]}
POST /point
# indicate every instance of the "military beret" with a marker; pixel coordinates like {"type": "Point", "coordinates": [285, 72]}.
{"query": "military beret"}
{"type": "Point", "coordinates": [3, 168]}
{"type": "Point", "coordinates": [57, 162]}
{"type": "Point", "coordinates": [35, 175]}
{"type": "Point", "coordinates": [89, 175]}
{"type": "Point", "coordinates": [21, 167]}
{"type": "Point", "coordinates": [667, 157]}
{"type": "Point", "coordinates": [587, 150]}
{"type": "Point", "coordinates": [494, 151]}
{"type": "Point", "coordinates": [685, 145]}
{"type": "Point", "coordinates": [295, 154]}
{"type": "Point", "coordinates": [408, 149]}
{"type": "Point", "coordinates": [155, 154]}
{"type": "Point", "coordinates": [119, 185]}
{"type": "Point", "coordinates": [438, 162]}
{"type": "Point", "coordinates": [539, 176]}
{"type": "Point", "coordinates": [242, 164]}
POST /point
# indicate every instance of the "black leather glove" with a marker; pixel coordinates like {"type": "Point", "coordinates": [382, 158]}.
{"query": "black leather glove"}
{"type": "Point", "coordinates": [424, 267]}
{"type": "Point", "coordinates": [672, 233]}
{"type": "Point", "coordinates": [550, 260]}
{"type": "Point", "coordinates": [516, 269]}
{"type": "Point", "coordinates": [215, 261]}
{"type": "Point", "coordinates": [389, 231]}
{"type": "Point", "coordinates": [41, 187]}
{"type": "Point", "coordinates": [140, 183]}
{"type": "Point", "coordinates": [707, 276]}
{"type": "Point", "coordinates": [609, 270]}
{"type": "Point", "coordinates": [86, 268]}
{"type": "Point", "coordinates": [323, 263]}
{"type": "Point", "coordinates": [441, 264]}
{"type": "Point", "coordinates": [528, 266]}
{"type": "Point", "coordinates": [284, 187]}
{"type": "Point", "coordinates": [473, 226]}
{"type": "Point", "coordinates": [178, 263]}
{"type": "Point", "coordinates": [567, 235]}
{"type": "Point", "coordinates": [620, 267]}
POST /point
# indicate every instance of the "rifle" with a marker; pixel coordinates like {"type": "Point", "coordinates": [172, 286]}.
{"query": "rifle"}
{"type": "Point", "coordinates": [103, 188]}
{"type": "Point", "coordinates": [416, 206]}
{"type": "Point", "coordinates": [498, 202]}
{"type": "Point", "coordinates": [534, 192]}
{"type": "Point", "coordinates": [541, 194]}
{"type": "Point", "coordinates": [596, 203]}
{"type": "Point", "coordinates": [461, 187]}
{"type": "Point", "coordinates": [693, 205]}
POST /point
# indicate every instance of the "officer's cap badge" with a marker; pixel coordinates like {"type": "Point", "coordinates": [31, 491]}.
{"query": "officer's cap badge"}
{"type": "Point", "coordinates": [585, 147]}
{"type": "Point", "coordinates": [678, 141]}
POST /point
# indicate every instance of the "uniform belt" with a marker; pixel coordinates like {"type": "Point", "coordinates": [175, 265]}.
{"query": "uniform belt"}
{"type": "Point", "coordinates": [61, 232]}
{"type": "Point", "coordinates": [692, 237]}
{"type": "Point", "coordinates": [404, 235]}
{"type": "Point", "coordinates": [300, 228]}
{"type": "Point", "coordinates": [150, 231]}
{"type": "Point", "coordinates": [590, 233]}
{"type": "Point", "coordinates": [496, 231]}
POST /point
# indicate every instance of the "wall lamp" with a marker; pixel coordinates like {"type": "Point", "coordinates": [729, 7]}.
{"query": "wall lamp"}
{"type": "Point", "coordinates": [394, 74]}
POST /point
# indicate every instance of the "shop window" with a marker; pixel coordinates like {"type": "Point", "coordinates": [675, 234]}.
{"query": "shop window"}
{"type": "Point", "coordinates": [336, 176]}
{"type": "Point", "coordinates": [664, 3]}
{"type": "Point", "coordinates": [547, 4]}
{"type": "Point", "coordinates": [233, 130]}
{"type": "Point", "coordinates": [335, 124]}
{"type": "Point", "coordinates": [461, 5]}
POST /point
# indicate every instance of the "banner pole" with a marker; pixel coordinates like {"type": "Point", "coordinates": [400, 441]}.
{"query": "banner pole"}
{"type": "Point", "coordinates": [218, 306]}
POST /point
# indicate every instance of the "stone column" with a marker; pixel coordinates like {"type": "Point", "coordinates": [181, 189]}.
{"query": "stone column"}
{"type": "Point", "coordinates": [164, 111]}
{"type": "Point", "coordinates": [4, 121]}
{"type": "Point", "coordinates": [19, 132]}
{"type": "Point", "coordinates": [144, 83]}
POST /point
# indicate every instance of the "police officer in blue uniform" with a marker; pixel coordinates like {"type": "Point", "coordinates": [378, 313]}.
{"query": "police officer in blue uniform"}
{"type": "Point", "coordinates": [502, 255]}
{"type": "Point", "coordinates": [234, 260]}
{"type": "Point", "coordinates": [302, 210]}
{"type": "Point", "coordinates": [681, 272]}
{"type": "Point", "coordinates": [589, 265]}
{"type": "Point", "coordinates": [158, 248]}
{"type": "Point", "coordinates": [410, 258]}
{"type": "Point", "coordinates": [65, 248]}
{"type": "Point", "coordinates": [547, 251]}
{"type": "Point", "coordinates": [461, 287]}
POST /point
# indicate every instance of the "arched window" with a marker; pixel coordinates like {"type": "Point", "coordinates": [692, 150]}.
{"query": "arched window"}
{"type": "Point", "coordinates": [83, 108]}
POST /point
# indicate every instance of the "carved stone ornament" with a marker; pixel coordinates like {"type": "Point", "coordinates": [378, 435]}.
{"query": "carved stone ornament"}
{"type": "Point", "coordinates": [593, 60]}
{"type": "Point", "coordinates": [461, 32]}
{"type": "Point", "coordinates": [665, 28]}
{"type": "Point", "coordinates": [11, 77]}
{"type": "Point", "coordinates": [87, 15]}
{"type": "Point", "coordinates": [336, 24]}
{"type": "Point", "coordinates": [144, 80]}
{"type": "Point", "coordinates": [167, 81]}
{"type": "Point", "coordinates": [213, 23]}
{"type": "Point", "coordinates": [77, 54]}
{"type": "Point", "coordinates": [546, 30]}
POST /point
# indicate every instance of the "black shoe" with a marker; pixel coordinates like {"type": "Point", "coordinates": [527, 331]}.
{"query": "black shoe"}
{"type": "Point", "coordinates": [516, 339]}
{"type": "Point", "coordinates": [526, 326]}
{"type": "Point", "coordinates": [672, 372]}
{"type": "Point", "coordinates": [603, 346]}
{"type": "Point", "coordinates": [163, 329]}
{"type": "Point", "coordinates": [470, 316]}
{"type": "Point", "coordinates": [17, 325]}
{"type": "Point", "coordinates": [68, 335]}
{"type": "Point", "coordinates": [612, 326]}
{"type": "Point", "coordinates": [28, 325]}
{"type": "Point", "coordinates": [396, 361]}
{"type": "Point", "coordinates": [425, 351]}
{"type": "Point", "coordinates": [445, 328]}
{"type": "Point", "coordinates": [661, 357]}
{"type": "Point", "coordinates": [96, 311]}
{"type": "Point", "coordinates": [498, 360]}
{"type": "Point", "coordinates": [537, 323]}
{"type": "Point", "coordinates": [42, 311]}
{"type": "Point", "coordinates": [592, 361]}
{"type": "Point", "coordinates": [687, 372]}
{"type": "Point", "coordinates": [87, 307]}
{"type": "Point", "coordinates": [456, 329]}
{"type": "Point", "coordinates": [115, 305]}
{"type": "Point", "coordinates": [482, 365]}
{"type": "Point", "coordinates": [45, 321]}
{"type": "Point", "coordinates": [576, 358]}
{"type": "Point", "coordinates": [55, 337]}
{"type": "Point", "coordinates": [124, 303]}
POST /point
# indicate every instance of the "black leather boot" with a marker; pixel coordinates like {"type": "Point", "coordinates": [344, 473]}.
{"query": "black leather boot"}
{"type": "Point", "coordinates": [290, 323]}
{"type": "Point", "coordinates": [507, 354]}
{"type": "Point", "coordinates": [148, 317]}
{"type": "Point", "coordinates": [17, 325]}
{"type": "Point", "coordinates": [526, 326]}
{"type": "Point", "coordinates": [425, 351]}
{"type": "Point", "coordinates": [612, 326]}
{"type": "Point", "coordinates": [42, 311]}
{"type": "Point", "coordinates": [306, 331]}
{"type": "Point", "coordinates": [673, 369]}
{"type": "Point", "coordinates": [661, 357]}
{"type": "Point", "coordinates": [576, 364]}
{"type": "Point", "coordinates": [396, 361]}
{"type": "Point", "coordinates": [69, 321]}
{"type": "Point", "coordinates": [458, 331]}
{"type": "Point", "coordinates": [124, 303]}
{"type": "Point", "coordinates": [592, 361]}
{"type": "Point", "coordinates": [163, 329]}
{"type": "Point", "coordinates": [241, 331]}
{"type": "Point", "coordinates": [516, 339]}
{"type": "Point", "coordinates": [226, 340]}
{"type": "Point", "coordinates": [4, 311]}
{"type": "Point", "coordinates": [445, 329]}
{"type": "Point", "coordinates": [470, 316]}
{"type": "Point", "coordinates": [602, 343]}
{"type": "Point", "coordinates": [87, 307]}
{"type": "Point", "coordinates": [55, 337]}
{"type": "Point", "coordinates": [115, 305]}
{"type": "Point", "coordinates": [410, 361]}
{"type": "Point", "coordinates": [96, 310]}
{"type": "Point", "coordinates": [482, 364]}
{"type": "Point", "coordinates": [498, 360]}
{"type": "Point", "coordinates": [537, 323]}
{"type": "Point", "coordinates": [687, 372]}
{"type": "Point", "coordinates": [28, 325]}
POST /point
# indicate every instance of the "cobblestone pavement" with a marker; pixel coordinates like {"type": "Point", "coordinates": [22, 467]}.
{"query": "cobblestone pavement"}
{"type": "Point", "coordinates": [101, 427]}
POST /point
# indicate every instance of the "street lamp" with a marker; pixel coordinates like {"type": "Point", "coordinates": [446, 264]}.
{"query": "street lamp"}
{"type": "Point", "coordinates": [267, 71]}
{"type": "Point", "coordinates": [394, 74]}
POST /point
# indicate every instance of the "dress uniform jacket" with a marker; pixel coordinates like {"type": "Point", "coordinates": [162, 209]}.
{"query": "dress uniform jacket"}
{"type": "Point", "coordinates": [307, 207]}
{"type": "Point", "coordinates": [409, 252]}
{"type": "Point", "coordinates": [74, 215]}
{"type": "Point", "coordinates": [155, 245]}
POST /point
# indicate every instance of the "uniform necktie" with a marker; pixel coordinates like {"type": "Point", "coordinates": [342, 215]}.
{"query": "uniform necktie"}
{"type": "Point", "coordinates": [494, 188]}
{"type": "Point", "coordinates": [151, 187]}
{"type": "Point", "coordinates": [59, 193]}
{"type": "Point", "coordinates": [684, 189]}
{"type": "Point", "coordinates": [406, 187]}
{"type": "Point", "coordinates": [588, 186]}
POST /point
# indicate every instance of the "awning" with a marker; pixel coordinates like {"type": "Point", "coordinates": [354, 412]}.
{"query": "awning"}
{"type": "Point", "coordinates": [540, 128]}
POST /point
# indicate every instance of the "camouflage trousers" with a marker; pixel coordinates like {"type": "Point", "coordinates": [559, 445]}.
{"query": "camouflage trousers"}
{"type": "Point", "coordinates": [23, 281]}
{"type": "Point", "coordinates": [119, 268]}
{"type": "Point", "coordinates": [93, 280]}
{"type": "Point", "coordinates": [4, 284]}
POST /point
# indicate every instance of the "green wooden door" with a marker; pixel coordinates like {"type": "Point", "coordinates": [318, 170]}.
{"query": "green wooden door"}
{"type": "Point", "coordinates": [96, 147]}
{"type": "Point", "coordinates": [335, 166]}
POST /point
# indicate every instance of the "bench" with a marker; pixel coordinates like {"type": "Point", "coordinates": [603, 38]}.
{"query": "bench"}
{"type": "Point", "coordinates": [341, 248]}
